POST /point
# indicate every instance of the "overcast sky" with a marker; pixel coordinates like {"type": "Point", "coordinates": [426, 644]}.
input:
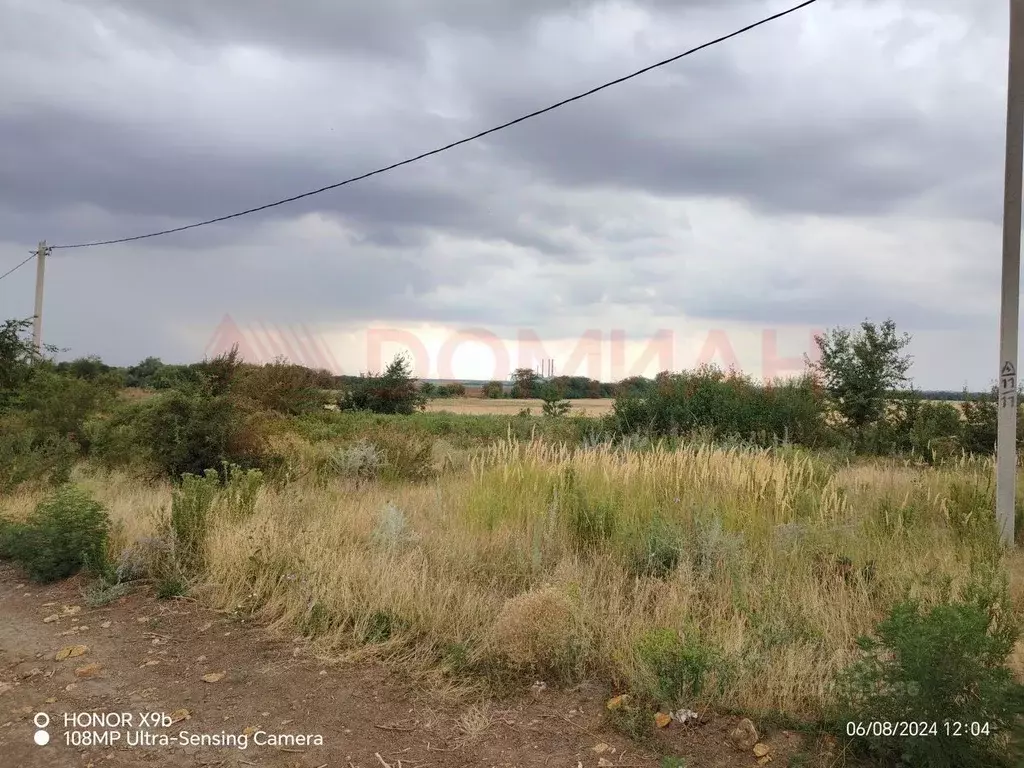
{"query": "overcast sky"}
{"type": "Point", "coordinates": [839, 164]}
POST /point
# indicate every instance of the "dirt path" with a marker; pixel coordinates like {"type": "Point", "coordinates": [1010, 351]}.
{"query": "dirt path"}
{"type": "Point", "coordinates": [146, 656]}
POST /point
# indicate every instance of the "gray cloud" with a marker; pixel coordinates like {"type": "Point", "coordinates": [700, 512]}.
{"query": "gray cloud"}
{"type": "Point", "coordinates": [705, 189]}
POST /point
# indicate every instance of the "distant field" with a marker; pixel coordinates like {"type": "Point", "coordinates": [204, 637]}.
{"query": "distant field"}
{"type": "Point", "coordinates": [476, 406]}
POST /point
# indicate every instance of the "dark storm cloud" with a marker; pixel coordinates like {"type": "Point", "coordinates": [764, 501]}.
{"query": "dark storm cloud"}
{"type": "Point", "coordinates": [705, 126]}
{"type": "Point", "coordinates": [146, 115]}
{"type": "Point", "coordinates": [53, 159]}
{"type": "Point", "coordinates": [384, 28]}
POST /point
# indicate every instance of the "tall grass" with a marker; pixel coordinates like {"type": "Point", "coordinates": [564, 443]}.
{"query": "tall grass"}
{"type": "Point", "coordinates": [733, 577]}
{"type": "Point", "coordinates": [778, 563]}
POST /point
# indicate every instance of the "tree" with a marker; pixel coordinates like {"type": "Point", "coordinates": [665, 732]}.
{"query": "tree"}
{"type": "Point", "coordinates": [456, 389]}
{"type": "Point", "coordinates": [524, 383]}
{"type": "Point", "coordinates": [554, 405]}
{"type": "Point", "coordinates": [493, 390]}
{"type": "Point", "coordinates": [91, 368]}
{"type": "Point", "coordinates": [394, 391]}
{"type": "Point", "coordinates": [141, 375]}
{"type": "Point", "coordinates": [17, 357]}
{"type": "Point", "coordinates": [860, 370]}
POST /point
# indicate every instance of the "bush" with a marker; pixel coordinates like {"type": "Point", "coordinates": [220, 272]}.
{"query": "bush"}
{"type": "Point", "coordinates": [42, 428]}
{"type": "Point", "coordinates": [240, 492]}
{"type": "Point", "coordinates": [404, 457]}
{"type": "Point", "coordinates": [219, 375]}
{"type": "Point", "coordinates": [722, 405]}
{"type": "Point", "coordinates": [393, 392]}
{"type": "Point", "coordinates": [191, 509]}
{"type": "Point", "coordinates": [65, 533]}
{"type": "Point", "coordinates": [659, 550]}
{"type": "Point", "coordinates": [937, 431]}
{"type": "Point", "coordinates": [59, 405]}
{"type": "Point", "coordinates": [945, 665]}
{"type": "Point", "coordinates": [282, 387]}
{"type": "Point", "coordinates": [539, 630]}
{"type": "Point", "coordinates": [676, 670]}
{"type": "Point", "coordinates": [493, 390]}
{"type": "Point", "coordinates": [554, 405]}
{"type": "Point", "coordinates": [360, 461]}
{"type": "Point", "coordinates": [24, 458]}
{"type": "Point", "coordinates": [447, 390]}
{"type": "Point", "coordinates": [182, 432]}
{"type": "Point", "coordinates": [18, 358]}
{"type": "Point", "coordinates": [141, 375]}
{"type": "Point", "coordinates": [590, 521]}
{"type": "Point", "coordinates": [393, 530]}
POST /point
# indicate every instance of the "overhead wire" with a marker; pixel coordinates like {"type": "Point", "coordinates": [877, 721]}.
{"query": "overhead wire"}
{"type": "Point", "coordinates": [18, 266]}
{"type": "Point", "coordinates": [439, 150]}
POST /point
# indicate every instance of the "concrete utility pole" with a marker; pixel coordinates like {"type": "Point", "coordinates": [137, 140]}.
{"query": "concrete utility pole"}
{"type": "Point", "coordinates": [1006, 441]}
{"type": "Point", "coordinates": [37, 324]}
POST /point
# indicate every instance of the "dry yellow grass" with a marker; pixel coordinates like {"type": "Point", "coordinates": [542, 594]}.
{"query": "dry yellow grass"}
{"type": "Point", "coordinates": [510, 407]}
{"type": "Point", "coordinates": [484, 563]}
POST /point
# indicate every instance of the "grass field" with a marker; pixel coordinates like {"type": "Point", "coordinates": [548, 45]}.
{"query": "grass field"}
{"type": "Point", "coordinates": [479, 550]}
{"type": "Point", "coordinates": [566, 563]}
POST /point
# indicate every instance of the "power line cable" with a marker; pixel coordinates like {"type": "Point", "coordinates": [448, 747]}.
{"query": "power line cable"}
{"type": "Point", "coordinates": [447, 146]}
{"type": "Point", "coordinates": [18, 266]}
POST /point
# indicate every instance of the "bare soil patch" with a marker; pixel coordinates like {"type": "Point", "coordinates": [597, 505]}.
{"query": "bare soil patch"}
{"type": "Point", "coordinates": [143, 655]}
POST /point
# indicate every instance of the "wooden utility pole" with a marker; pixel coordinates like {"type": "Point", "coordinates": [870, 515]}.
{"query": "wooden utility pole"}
{"type": "Point", "coordinates": [37, 324]}
{"type": "Point", "coordinates": [1009, 317]}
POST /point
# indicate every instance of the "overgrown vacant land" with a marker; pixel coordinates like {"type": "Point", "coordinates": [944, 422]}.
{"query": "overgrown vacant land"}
{"type": "Point", "coordinates": [710, 544]}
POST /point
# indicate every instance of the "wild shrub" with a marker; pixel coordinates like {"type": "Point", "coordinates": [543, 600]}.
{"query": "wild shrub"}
{"type": "Point", "coordinates": [554, 405]}
{"type": "Point", "coordinates": [946, 665]}
{"type": "Point", "coordinates": [676, 669]}
{"type": "Point", "coordinates": [392, 392]}
{"type": "Point", "coordinates": [392, 530]}
{"type": "Point", "coordinates": [59, 405]}
{"type": "Point", "coordinates": [140, 376]}
{"type": "Point", "coordinates": [493, 390]}
{"type": "Point", "coordinates": [90, 368]}
{"type": "Point", "coordinates": [25, 458]}
{"type": "Point", "coordinates": [539, 630]}
{"type": "Point", "coordinates": [190, 432]}
{"type": "Point", "coordinates": [42, 426]}
{"type": "Point", "coordinates": [19, 359]}
{"type": "Point", "coordinates": [722, 405]}
{"type": "Point", "coordinates": [240, 492]}
{"type": "Point", "coordinates": [404, 456]}
{"type": "Point", "coordinates": [67, 532]}
{"type": "Point", "coordinates": [361, 460]}
{"type": "Point", "coordinates": [219, 375]}
{"type": "Point", "coordinates": [590, 520]}
{"type": "Point", "coordinates": [102, 592]}
{"type": "Point", "coordinates": [658, 549]}
{"type": "Point", "coordinates": [282, 387]}
{"type": "Point", "coordinates": [937, 432]}
{"type": "Point", "coordinates": [191, 511]}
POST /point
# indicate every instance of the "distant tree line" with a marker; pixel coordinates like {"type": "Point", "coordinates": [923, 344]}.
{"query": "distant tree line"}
{"type": "Point", "coordinates": [856, 396]}
{"type": "Point", "coordinates": [527, 383]}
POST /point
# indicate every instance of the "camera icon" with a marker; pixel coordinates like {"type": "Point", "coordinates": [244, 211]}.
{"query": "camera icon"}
{"type": "Point", "coordinates": [41, 737]}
